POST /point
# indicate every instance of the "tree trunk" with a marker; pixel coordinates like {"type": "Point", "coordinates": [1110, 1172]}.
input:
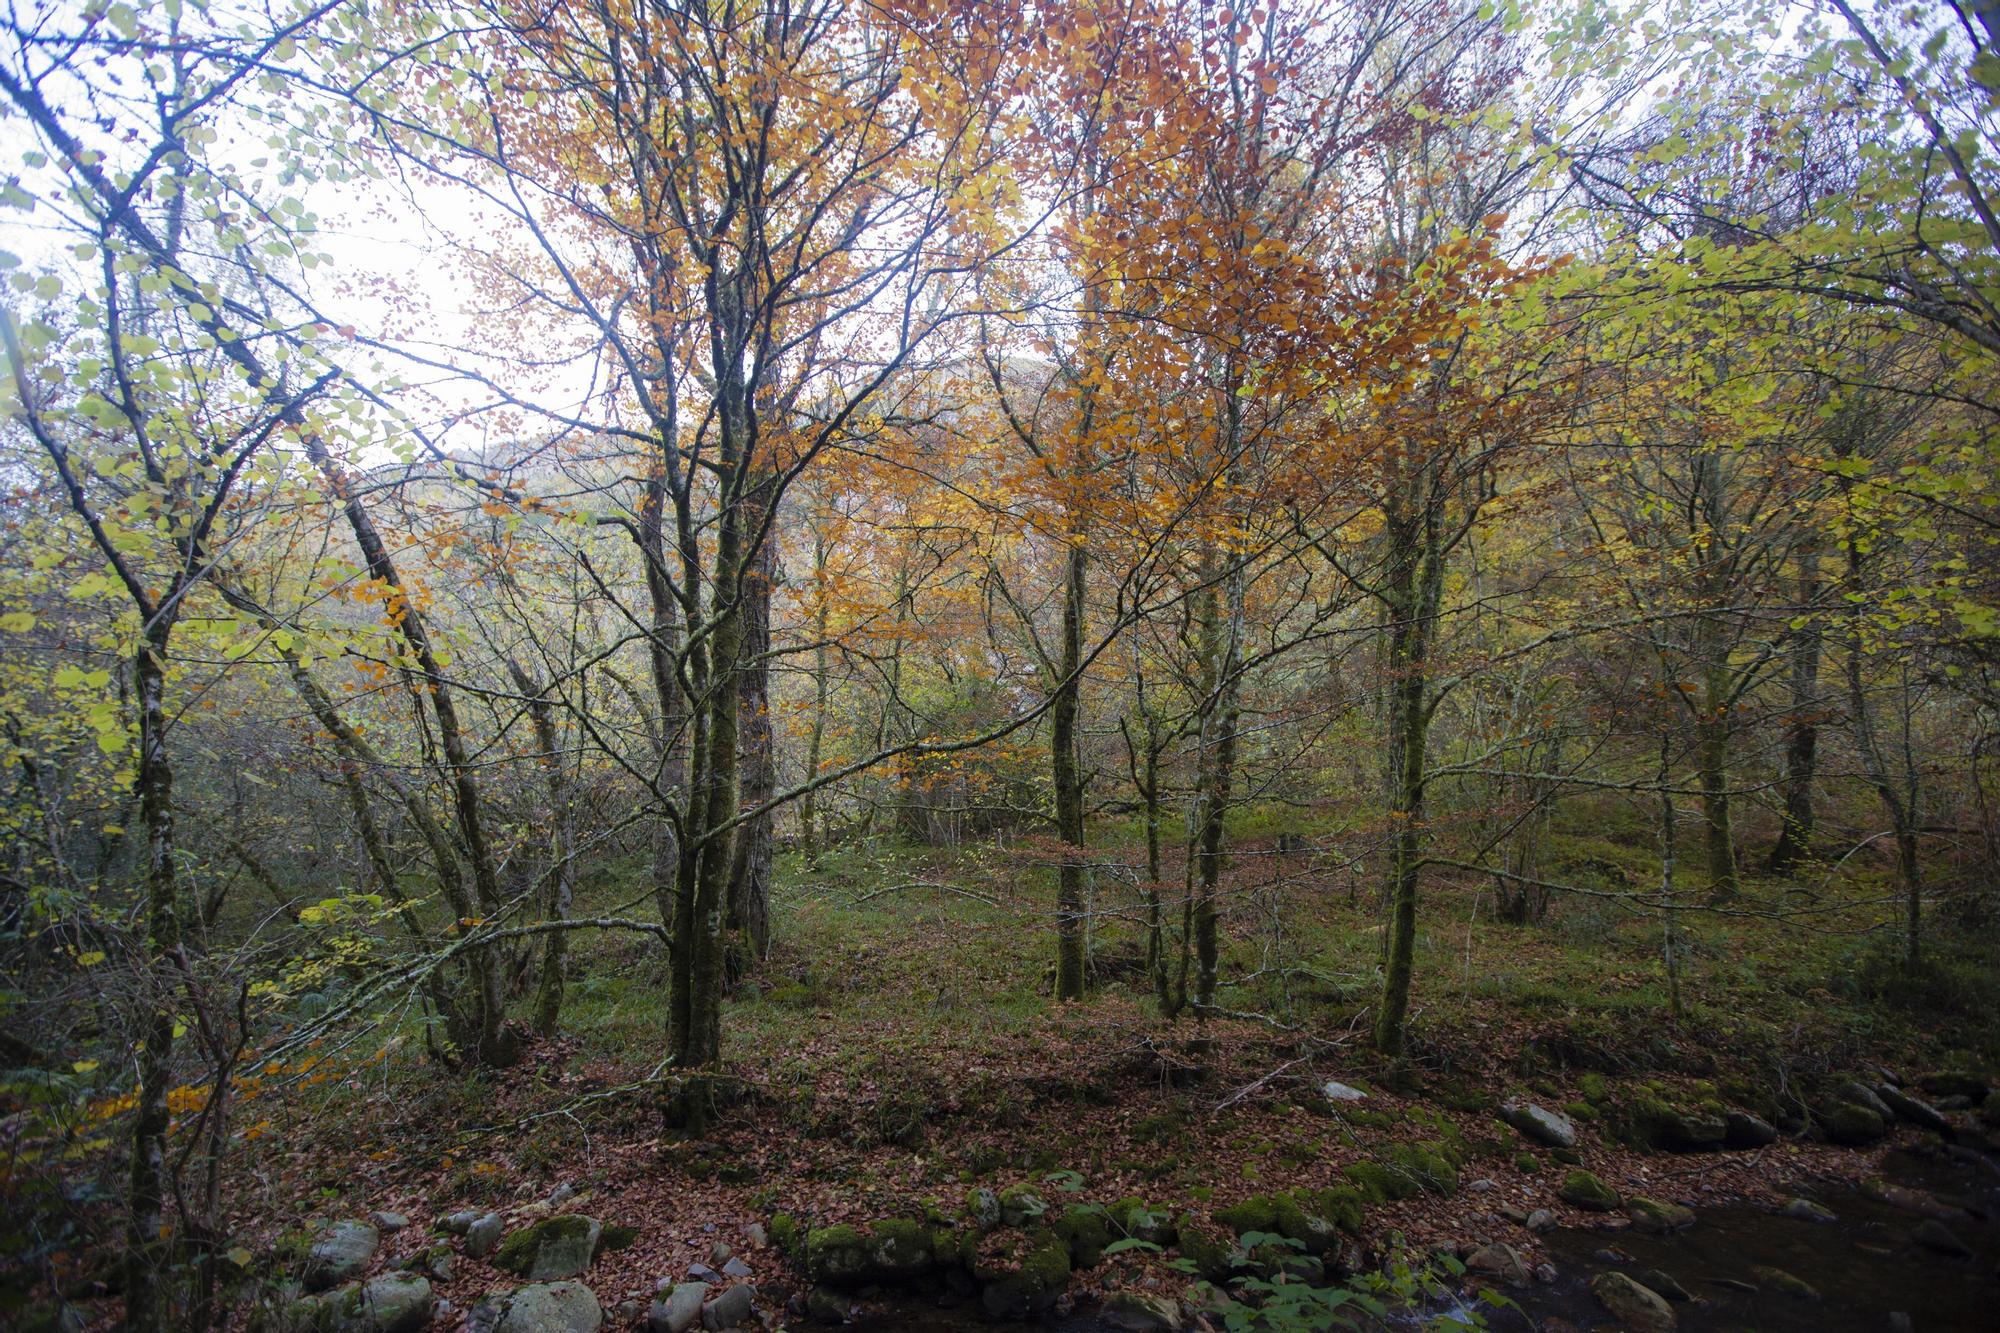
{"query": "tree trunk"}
{"type": "Point", "coordinates": [147, 1300]}
{"type": "Point", "coordinates": [562, 851]}
{"type": "Point", "coordinates": [1794, 845]}
{"type": "Point", "coordinates": [749, 916]}
{"type": "Point", "coordinates": [1069, 782]}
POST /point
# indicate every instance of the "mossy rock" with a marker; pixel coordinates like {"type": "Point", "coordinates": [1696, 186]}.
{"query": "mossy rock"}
{"type": "Point", "coordinates": [1259, 1212]}
{"type": "Point", "coordinates": [1086, 1227]}
{"type": "Point", "coordinates": [1596, 1088]}
{"type": "Point", "coordinates": [1581, 1111]}
{"type": "Point", "coordinates": [1527, 1161]}
{"type": "Point", "coordinates": [1586, 1191]}
{"type": "Point", "coordinates": [1656, 1124]}
{"type": "Point", "coordinates": [786, 1234]}
{"type": "Point", "coordinates": [900, 1248]}
{"type": "Point", "coordinates": [1209, 1249]}
{"type": "Point", "coordinates": [551, 1249]}
{"type": "Point", "coordinates": [1295, 1222]}
{"type": "Point", "coordinates": [1341, 1205]}
{"type": "Point", "coordinates": [1431, 1164]}
{"type": "Point", "coordinates": [1030, 1280]}
{"type": "Point", "coordinates": [1020, 1206]}
{"type": "Point", "coordinates": [1368, 1119]}
{"type": "Point", "coordinates": [837, 1255]}
{"type": "Point", "coordinates": [1131, 1217]}
{"type": "Point", "coordinates": [616, 1236]}
{"type": "Point", "coordinates": [1380, 1184]}
{"type": "Point", "coordinates": [1852, 1126]}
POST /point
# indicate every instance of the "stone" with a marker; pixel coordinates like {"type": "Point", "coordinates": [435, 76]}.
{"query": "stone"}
{"type": "Point", "coordinates": [826, 1305]}
{"type": "Point", "coordinates": [1499, 1261]}
{"type": "Point", "coordinates": [732, 1309]}
{"type": "Point", "coordinates": [1909, 1200]}
{"type": "Point", "coordinates": [1852, 1125]}
{"type": "Point", "coordinates": [1785, 1284]}
{"type": "Point", "coordinates": [483, 1235]}
{"type": "Point", "coordinates": [1550, 1128]}
{"type": "Point", "coordinates": [459, 1223]}
{"type": "Point", "coordinates": [550, 1307]}
{"type": "Point", "coordinates": [1805, 1210]}
{"type": "Point", "coordinates": [555, 1247]}
{"type": "Point", "coordinates": [1021, 1205]}
{"type": "Point", "coordinates": [1338, 1092]}
{"type": "Point", "coordinates": [1914, 1109]}
{"type": "Point", "coordinates": [1027, 1279]}
{"type": "Point", "coordinates": [1955, 1101]}
{"type": "Point", "coordinates": [1141, 1312]}
{"type": "Point", "coordinates": [1665, 1284]}
{"type": "Point", "coordinates": [392, 1303]}
{"type": "Point", "coordinates": [720, 1253]}
{"type": "Point", "coordinates": [387, 1222]}
{"type": "Point", "coordinates": [703, 1273]}
{"type": "Point", "coordinates": [678, 1308]}
{"type": "Point", "coordinates": [1740, 1129]}
{"type": "Point", "coordinates": [756, 1236]}
{"type": "Point", "coordinates": [1660, 1219]}
{"type": "Point", "coordinates": [1954, 1083]}
{"type": "Point", "coordinates": [1860, 1094]}
{"type": "Point", "coordinates": [1936, 1236]}
{"type": "Point", "coordinates": [1677, 1130]}
{"type": "Point", "coordinates": [983, 1207]}
{"type": "Point", "coordinates": [340, 1252]}
{"type": "Point", "coordinates": [736, 1268]}
{"type": "Point", "coordinates": [1639, 1307]}
{"type": "Point", "coordinates": [1540, 1220]}
{"type": "Point", "coordinates": [561, 1194]}
{"type": "Point", "coordinates": [1586, 1191]}
{"type": "Point", "coordinates": [1545, 1273]}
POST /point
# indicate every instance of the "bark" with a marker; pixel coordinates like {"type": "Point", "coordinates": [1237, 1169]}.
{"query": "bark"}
{"type": "Point", "coordinates": [1222, 638]}
{"type": "Point", "coordinates": [1794, 845]}
{"type": "Point", "coordinates": [1064, 713]}
{"type": "Point", "coordinates": [749, 918]}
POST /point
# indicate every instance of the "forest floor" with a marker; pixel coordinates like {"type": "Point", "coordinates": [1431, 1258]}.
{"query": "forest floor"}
{"type": "Point", "coordinates": [899, 1046]}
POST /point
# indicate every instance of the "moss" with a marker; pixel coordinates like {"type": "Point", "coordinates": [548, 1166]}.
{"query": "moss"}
{"type": "Point", "coordinates": [1596, 1088]}
{"type": "Point", "coordinates": [1369, 1119]}
{"type": "Point", "coordinates": [837, 1255]}
{"type": "Point", "coordinates": [1037, 1279]}
{"type": "Point", "coordinates": [1580, 1111]}
{"type": "Point", "coordinates": [899, 1247]}
{"type": "Point", "coordinates": [1340, 1205]}
{"type": "Point", "coordinates": [1259, 1212]}
{"type": "Point", "coordinates": [1295, 1221]}
{"type": "Point", "coordinates": [1378, 1183]}
{"type": "Point", "coordinates": [1429, 1163]}
{"type": "Point", "coordinates": [785, 1233]}
{"type": "Point", "coordinates": [1087, 1229]}
{"type": "Point", "coordinates": [616, 1236]}
{"type": "Point", "coordinates": [1526, 1162]}
{"type": "Point", "coordinates": [1588, 1192]}
{"type": "Point", "coordinates": [1207, 1248]}
{"type": "Point", "coordinates": [1019, 1205]}
{"type": "Point", "coordinates": [517, 1253]}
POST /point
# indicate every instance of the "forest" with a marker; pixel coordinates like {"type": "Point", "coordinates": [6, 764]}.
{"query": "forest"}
{"type": "Point", "coordinates": [1139, 665]}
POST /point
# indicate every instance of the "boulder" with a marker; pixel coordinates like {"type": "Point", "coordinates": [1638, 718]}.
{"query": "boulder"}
{"type": "Point", "coordinates": [1914, 1109]}
{"type": "Point", "coordinates": [1785, 1284]}
{"type": "Point", "coordinates": [1661, 1219]}
{"type": "Point", "coordinates": [1954, 1083]}
{"type": "Point", "coordinates": [1805, 1210]}
{"type": "Point", "coordinates": [392, 1303]}
{"type": "Point", "coordinates": [555, 1247]}
{"type": "Point", "coordinates": [1499, 1261]}
{"type": "Point", "coordinates": [1665, 1284]}
{"type": "Point", "coordinates": [826, 1305]}
{"type": "Point", "coordinates": [547, 1307]}
{"type": "Point", "coordinates": [1852, 1125]}
{"type": "Point", "coordinates": [1740, 1129]}
{"type": "Point", "coordinates": [1550, 1128]}
{"type": "Point", "coordinates": [460, 1222]}
{"type": "Point", "coordinates": [483, 1234]}
{"type": "Point", "coordinates": [1670, 1127]}
{"type": "Point", "coordinates": [1586, 1191]}
{"type": "Point", "coordinates": [386, 1222]}
{"type": "Point", "coordinates": [1021, 1205]}
{"type": "Point", "coordinates": [1541, 1219]}
{"type": "Point", "coordinates": [1936, 1236]}
{"type": "Point", "coordinates": [340, 1252]}
{"type": "Point", "coordinates": [1141, 1312]}
{"type": "Point", "coordinates": [1859, 1093]}
{"type": "Point", "coordinates": [1909, 1200]}
{"type": "Point", "coordinates": [1640, 1308]}
{"type": "Point", "coordinates": [678, 1308]}
{"type": "Point", "coordinates": [1027, 1278]}
{"type": "Point", "coordinates": [732, 1309]}
{"type": "Point", "coordinates": [1335, 1092]}
{"type": "Point", "coordinates": [892, 1250]}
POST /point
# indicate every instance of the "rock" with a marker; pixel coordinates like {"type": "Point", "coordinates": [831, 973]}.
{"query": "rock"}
{"type": "Point", "coordinates": [983, 1207]}
{"type": "Point", "coordinates": [1334, 1092]}
{"type": "Point", "coordinates": [459, 1223]}
{"type": "Point", "coordinates": [1785, 1284]}
{"type": "Point", "coordinates": [1641, 1308]}
{"type": "Point", "coordinates": [1141, 1312]}
{"type": "Point", "coordinates": [1854, 1126]}
{"type": "Point", "coordinates": [1740, 1129]}
{"type": "Point", "coordinates": [1733, 1284]}
{"type": "Point", "coordinates": [555, 1247]}
{"type": "Point", "coordinates": [392, 1303]}
{"type": "Point", "coordinates": [1805, 1210]}
{"type": "Point", "coordinates": [703, 1273]}
{"type": "Point", "coordinates": [561, 1195]}
{"type": "Point", "coordinates": [483, 1235]}
{"type": "Point", "coordinates": [340, 1252]}
{"type": "Point", "coordinates": [1588, 1192]}
{"type": "Point", "coordinates": [1027, 1279]}
{"type": "Point", "coordinates": [732, 1309]}
{"type": "Point", "coordinates": [1909, 1200]}
{"type": "Point", "coordinates": [1540, 1220]}
{"type": "Point", "coordinates": [1482, 1186]}
{"type": "Point", "coordinates": [826, 1305]}
{"type": "Point", "coordinates": [1989, 1110]}
{"type": "Point", "coordinates": [1499, 1261]}
{"type": "Point", "coordinates": [720, 1253]}
{"type": "Point", "coordinates": [1545, 1273]}
{"type": "Point", "coordinates": [1661, 1219]}
{"type": "Point", "coordinates": [678, 1308]}
{"type": "Point", "coordinates": [1914, 1109]}
{"type": "Point", "coordinates": [549, 1307]}
{"type": "Point", "coordinates": [756, 1235]}
{"type": "Point", "coordinates": [1550, 1128]}
{"type": "Point", "coordinates": [736, 1268]}
{"type": "Point", "coordinates": [386, 1222]}
{"type": "Point", "coordinates": [1860, 1094]}
{"type": "Point", "coordinates": [1935, 1235]}
{"type": "Point", "coordinates": [1021, 1205]}
{"type": "Point", "coordinates": [1680, 1131]}
{"type": "Point", "coordinates": [1954, 1083]}
{"type": "Point", "coordinates": [891, 1250]}
{"type": "Point", "coordinates": [1665, 1284]}
{"type": "Point", "coordinates": [628, 1310]}
{"type": "Point", "coordinates": [1954, 1101]}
